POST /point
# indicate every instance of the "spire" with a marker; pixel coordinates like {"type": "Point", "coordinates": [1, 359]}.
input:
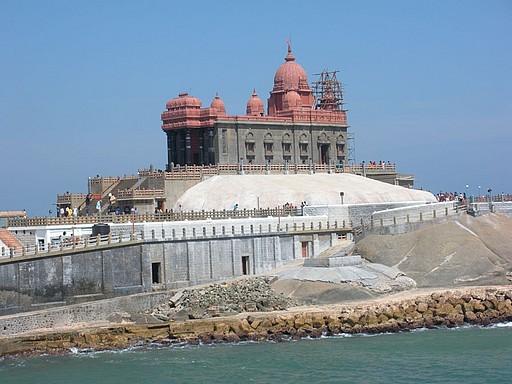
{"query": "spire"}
{"type": "Point", "coordinates": [254, 94]}
{"type": "Point", "coordinates": [289, 56]}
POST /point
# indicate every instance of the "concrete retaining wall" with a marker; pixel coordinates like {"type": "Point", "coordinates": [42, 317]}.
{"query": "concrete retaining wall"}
{"type": "Point", "coordinates": [71, 315]}
{"type": "Point", "coordinates": [83, 275]}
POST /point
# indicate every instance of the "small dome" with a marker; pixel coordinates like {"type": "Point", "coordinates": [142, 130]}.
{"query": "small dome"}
{"type": "Point", "coordinates": [183, 100]}
{"type": "Point", "coordinates": [255, 105]}
{"type": "Point", "coordinates": [218, 105]}
{"type": "Point", "coordinates": [291, 100]}
{"type": "Point", "coordinates": [290, 75]}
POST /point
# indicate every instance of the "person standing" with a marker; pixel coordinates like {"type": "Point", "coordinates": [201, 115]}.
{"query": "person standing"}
{"type": "Point", "coordinates": [98, 206]}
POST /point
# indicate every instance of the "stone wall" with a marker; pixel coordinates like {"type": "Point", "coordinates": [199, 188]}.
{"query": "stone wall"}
{"type": "Point", "coordinates": [71, 315]}
{"type": "Point", "coordinates": [43, 281]}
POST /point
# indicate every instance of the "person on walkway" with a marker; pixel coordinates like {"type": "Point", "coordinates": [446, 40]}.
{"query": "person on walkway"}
{"type": "Point", "coordinates": [98, 206]}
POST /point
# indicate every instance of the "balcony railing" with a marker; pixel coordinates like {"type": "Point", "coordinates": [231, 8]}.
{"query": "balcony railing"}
{"type": "Point", "coordinates": [140, 194]}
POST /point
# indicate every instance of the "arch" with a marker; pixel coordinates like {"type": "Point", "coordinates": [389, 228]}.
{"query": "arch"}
{"type": "Point", "coordinates": [340, 139]}
{"type": "Point", "coordinates": [268, 138]}
{"type": "Point", "coordinates": [249, 138]}
{"type": "Point", "coordinates": [323, 138]}
{"type": "Point", "coordinates": [287, 138]}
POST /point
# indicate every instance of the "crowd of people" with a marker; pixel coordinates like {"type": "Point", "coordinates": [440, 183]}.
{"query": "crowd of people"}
{"type": "Point", "coordinates": [451, 196]}
{"type": "Point", "coordinates": [381, 164]}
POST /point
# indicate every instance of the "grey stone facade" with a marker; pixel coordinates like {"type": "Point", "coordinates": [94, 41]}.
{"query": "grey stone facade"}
{"type": "Point", "coordinates": [257, 142]}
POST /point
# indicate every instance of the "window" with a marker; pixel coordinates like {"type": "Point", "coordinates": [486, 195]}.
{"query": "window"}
{"type": "Point", "coordinates": [287, 148]}
{"type": "Point", "coordinates": [250, 146]}
{"type": "Point", "coordinates": [303, 149]}
{"type": "Point", "coordinates": [268, 148]}
{"type": "Point", "coordinates": [340, 151]}
{"type": "Point", "coordinates": [303, 146]}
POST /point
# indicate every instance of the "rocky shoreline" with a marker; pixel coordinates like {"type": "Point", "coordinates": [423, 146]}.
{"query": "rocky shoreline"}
{"type": "Point", "coordinates": [478, 306]}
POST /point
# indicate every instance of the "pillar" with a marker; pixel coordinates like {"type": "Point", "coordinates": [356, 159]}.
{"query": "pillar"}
{"type": "Point", "coordinates": [169, 150]}
{"type": "Point", "coordinates": [188, 147]}
{"type": "Point", "coordinates": [201, 147]}
{"type": "Point", "coordinates": [211, 151]}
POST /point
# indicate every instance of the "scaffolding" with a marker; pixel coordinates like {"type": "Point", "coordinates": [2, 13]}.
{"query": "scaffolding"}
{"type": "Point", "coordinates": [328, 91]}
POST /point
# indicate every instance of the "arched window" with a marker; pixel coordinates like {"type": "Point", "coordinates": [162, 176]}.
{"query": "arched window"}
{"type": "Point", "coordinates": [304, 147]}
{"type": "Point", "coordinates": [340, 148]}
{"type": "Point", "coordinates": [287, 146]}
{"type": "Point", "coordinates": [268, 144]}
{"type": "Point", "coordinates": [250, 144]}
{"type": "Point", "coordinates": [323, 139]}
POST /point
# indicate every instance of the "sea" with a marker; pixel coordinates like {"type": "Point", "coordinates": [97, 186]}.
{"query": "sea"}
{"type": "Point", "coordinates": [459, 355]}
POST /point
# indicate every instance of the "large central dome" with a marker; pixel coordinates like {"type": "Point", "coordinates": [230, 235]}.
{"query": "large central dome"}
{"type": "Point", "coordinates": [290, 75]}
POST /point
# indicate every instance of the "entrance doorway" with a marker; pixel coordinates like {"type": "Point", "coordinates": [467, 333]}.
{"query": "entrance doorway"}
{"type": "Point", "coordinates": [156, 277]}
{"type": "Point", "coordinates": [245, 265]}
{"type": "Point", "coordinates": [324, 153]}
{"type": "Point", "coordinates": [305, 249]}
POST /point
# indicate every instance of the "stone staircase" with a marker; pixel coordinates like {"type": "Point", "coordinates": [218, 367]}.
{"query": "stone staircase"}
{"type": "Point", "coordinates": [9, 240]}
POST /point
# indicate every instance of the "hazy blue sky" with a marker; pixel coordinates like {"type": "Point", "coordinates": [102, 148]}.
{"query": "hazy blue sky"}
{"type": "Point", "coordinates": [428, 84]}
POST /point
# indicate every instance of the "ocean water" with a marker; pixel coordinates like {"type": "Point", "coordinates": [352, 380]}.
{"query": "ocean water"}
{"type": "Point", "coordinates": [463, 355]}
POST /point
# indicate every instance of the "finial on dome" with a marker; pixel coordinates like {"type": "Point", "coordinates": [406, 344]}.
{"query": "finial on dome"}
{"type": "Point", "coordinates": [218, 105]}
{"type": "Point", "coordinates": [289, 56]}
{"type": "Point", "coordinates": [254, 92]}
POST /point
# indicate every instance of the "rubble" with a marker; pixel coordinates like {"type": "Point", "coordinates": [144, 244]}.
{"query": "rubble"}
{"type": "Point", "coordinates": [223, 299]}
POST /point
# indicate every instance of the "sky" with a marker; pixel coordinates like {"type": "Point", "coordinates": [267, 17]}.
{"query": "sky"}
{"type": "Point", "coordinates": [428, 84]}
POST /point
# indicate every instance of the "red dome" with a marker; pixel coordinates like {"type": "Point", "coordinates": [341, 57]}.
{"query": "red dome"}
{"type": "Point", "coordinates": [254, 105]}
{"type": "Point", "coordinates": [291, 100]}
{"type": "Point", "coordinates": [183, 100]}
{"type": "Point", "coordinates": [290, 75]}
{"type": "Point", "coordinates": [218, 105]}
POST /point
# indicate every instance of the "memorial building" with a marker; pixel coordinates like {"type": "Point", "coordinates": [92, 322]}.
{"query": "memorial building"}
{"type": "Point", "coordinates": [301, 124]}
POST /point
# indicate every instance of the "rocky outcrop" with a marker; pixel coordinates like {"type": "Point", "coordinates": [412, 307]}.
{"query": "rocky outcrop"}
{"type": "Point", "coordinates": [224, 299]}
{"type": "Point", "coordinates": [481, 306]}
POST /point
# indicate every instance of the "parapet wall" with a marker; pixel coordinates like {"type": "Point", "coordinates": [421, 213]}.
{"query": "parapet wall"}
{"type": "Point", "coordinates": [503, 207]}
{"type": "Point", "coordinates": [415, 213]}
{"type": "Point", "coordinates": [355, 213]}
